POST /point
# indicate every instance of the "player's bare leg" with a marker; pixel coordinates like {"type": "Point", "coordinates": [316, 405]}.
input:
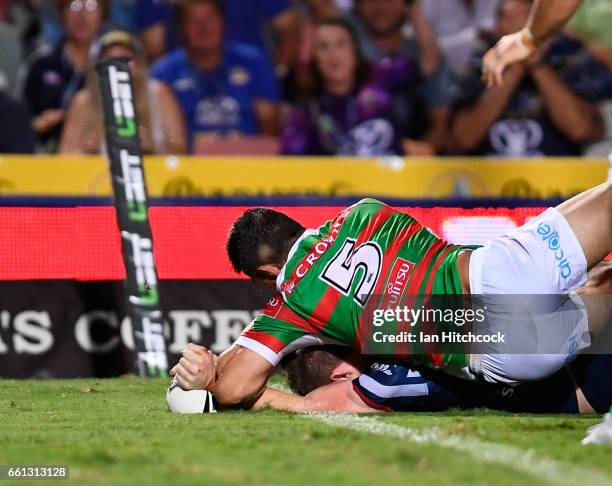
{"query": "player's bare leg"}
{"type": "Point", "coordinates": [590, 216]}
{"type": "Point", "coordinates": [597, 297]}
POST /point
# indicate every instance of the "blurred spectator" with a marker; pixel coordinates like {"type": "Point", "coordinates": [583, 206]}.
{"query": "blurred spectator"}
{"type": "Point", "coordinates": [421, 102]}
{"type": "Point", "coordinates": [270, 25]}
{"type": "Point", "coordinates": [313, 12]}
{"type": "Point", "coordinates": [457, 23]}
{"type": "Point", "coordinates": [16, 134]}
{"type": "Point", "coordinates": [17, 28]}
{"type": "Point", "coordinates": [545, 107]}
{"type": "Point", "coordinates": [161, 124]}
{"type": "Point", "coordinates": [155, 22]}
{"type": "Point", "coordinates": [224, 88]}
{"type": "Point", "coordinates": [121, 16]}
{"type": "Point", "coordinates": [54, 74]}
{"type": "Point", "coordinates": [349, 111]}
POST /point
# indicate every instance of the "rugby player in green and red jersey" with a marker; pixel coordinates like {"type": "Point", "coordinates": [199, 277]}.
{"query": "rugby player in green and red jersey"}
{"type": "Point", "coordinates": [324, 277]}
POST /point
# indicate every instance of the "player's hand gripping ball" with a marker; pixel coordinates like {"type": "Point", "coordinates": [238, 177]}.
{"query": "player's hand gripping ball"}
{"type": "Point", "coordinates": [194, 373]}
{"type": "Point", "coordinates": [196, 370]}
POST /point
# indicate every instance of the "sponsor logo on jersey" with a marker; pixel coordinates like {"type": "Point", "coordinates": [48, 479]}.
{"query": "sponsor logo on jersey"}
{"type": "Point", "coordinates": [239, 76]}
{"type": "Point", "coordinates": [273, 306]}
{"type": "Point", "coordinates": [400, 273]}
{"type": "Point", "coordinates": [551, 238]}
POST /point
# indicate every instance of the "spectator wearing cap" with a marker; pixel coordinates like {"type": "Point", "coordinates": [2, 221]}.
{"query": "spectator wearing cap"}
{"type": "Point", "coordinates": [420, 80]}
{"type": "Point", "coordinates": [349, 110]}
{"type": "Point", "coordinates": [546, 107]}
{"type": "Point", "coordinates": [54, 74]}
{"type": "Point", "coordinates": [161, 124]}
{"type": "Point", "coordinates": [224, 88]}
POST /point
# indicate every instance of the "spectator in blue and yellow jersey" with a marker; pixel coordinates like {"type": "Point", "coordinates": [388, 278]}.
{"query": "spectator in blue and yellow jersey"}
{"type": "Point", "coordinates": [224, 88]}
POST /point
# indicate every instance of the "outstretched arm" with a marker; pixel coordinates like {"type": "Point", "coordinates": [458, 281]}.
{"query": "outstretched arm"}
{"type": "Point", "coordinates": [335, 397]}
{"type": "Point", "coordinates": [240, 381]}
{"type": "Point", "coordinates": [546, 18]}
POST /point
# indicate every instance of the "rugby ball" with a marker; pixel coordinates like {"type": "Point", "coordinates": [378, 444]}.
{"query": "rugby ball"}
{"type": "Point", "coordinates": [191, 401]}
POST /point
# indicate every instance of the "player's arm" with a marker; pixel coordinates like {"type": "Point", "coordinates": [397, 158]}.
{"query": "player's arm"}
{"type": "Point", "coordinates": [335, 397]}
{"type": "Point", "coordinates": [546, 18]}
{"type": "Point", "coordinates": [237, 377]}
{"type": "Point", "coordinates": [241, 379]}
{"type": "Point", "coordinates": [549, 16]}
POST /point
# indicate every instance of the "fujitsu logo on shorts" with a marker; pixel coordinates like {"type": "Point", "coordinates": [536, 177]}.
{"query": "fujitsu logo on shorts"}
{"type": "Point", "coordinates": [551, 238]}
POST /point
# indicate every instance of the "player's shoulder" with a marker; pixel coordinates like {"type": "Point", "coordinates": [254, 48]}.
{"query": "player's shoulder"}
{"type": "Point", "coordinates": [367, 203]}
{"type": "Point", "coordinates": [367, 208]}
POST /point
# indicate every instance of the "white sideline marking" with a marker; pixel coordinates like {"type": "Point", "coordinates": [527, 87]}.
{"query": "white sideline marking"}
{"type": "Point", "coordinates": [490, 452]}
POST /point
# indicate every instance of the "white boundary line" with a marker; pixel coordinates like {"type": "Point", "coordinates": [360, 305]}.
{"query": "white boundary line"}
{"type": "Point", "coordinates": [489, 452]}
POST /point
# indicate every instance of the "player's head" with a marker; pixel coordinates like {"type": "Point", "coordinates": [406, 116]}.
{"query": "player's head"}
{"type": "Point", "coordinates": [259, 241]}
{"type": "Point", "coordinates": [315, 366]}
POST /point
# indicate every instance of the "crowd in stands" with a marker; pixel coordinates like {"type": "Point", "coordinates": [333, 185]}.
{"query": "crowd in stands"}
{"type": "Point", "coordinates": [299, 77]}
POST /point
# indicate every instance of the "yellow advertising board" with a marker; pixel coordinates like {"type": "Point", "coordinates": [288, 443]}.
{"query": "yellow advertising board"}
{"type": "Point", "coordinates": [390, 177]}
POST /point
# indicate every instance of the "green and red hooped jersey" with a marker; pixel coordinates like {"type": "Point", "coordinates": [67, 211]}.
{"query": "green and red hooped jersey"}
{"type": "Point", "coordinates": [367, 249]}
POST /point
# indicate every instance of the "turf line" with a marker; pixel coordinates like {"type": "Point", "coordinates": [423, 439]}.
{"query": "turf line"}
{"type": "Point", "coordinates": [489, 452]}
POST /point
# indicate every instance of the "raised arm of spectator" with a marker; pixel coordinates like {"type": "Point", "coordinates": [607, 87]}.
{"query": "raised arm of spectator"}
{"type": "Point", "coordinates": [549, 16]}
{"type": "Point", "coordinates": [578, 119]}
{"type": "Point", "coordinates": [546, 18]}
{"type": "Point", "coordinates": [172, 120]}
{"type": "Point", "coordinates": [472, 123]}
{"type": "Point", "coordinates": [71, 141]}
{"type": "Point", "coordinates": [286, 26]}
{"type": "Point", "coordinates": [429, 51]}
{"type": "Point", "coordinates": [266, 96]}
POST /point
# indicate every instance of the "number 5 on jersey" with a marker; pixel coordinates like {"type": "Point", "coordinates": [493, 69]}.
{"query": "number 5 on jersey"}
{"type": "Point", "coordinates": [341, 270]}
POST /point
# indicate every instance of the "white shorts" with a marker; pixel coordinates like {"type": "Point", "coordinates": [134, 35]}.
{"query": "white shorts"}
{"type": "Point", "coordinates": [541, 257]}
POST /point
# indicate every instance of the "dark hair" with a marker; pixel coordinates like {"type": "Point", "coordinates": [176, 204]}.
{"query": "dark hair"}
{"type": "Point", "coordinates": [363, 69]}
{"type": "Point", "coordinates": [261, 236]}
{"type": "Point", "coordinates": [310, 368]}
{"type": "Point", "coordinates": [182, 5]}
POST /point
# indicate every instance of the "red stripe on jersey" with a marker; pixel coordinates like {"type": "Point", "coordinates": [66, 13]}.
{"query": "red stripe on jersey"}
{"type": "Point", "coordinates": [325, 308]}
{"type": "Point", "coordinates": [266, 339]}
{"type": "Point", "coordinates": [434, 269]}
{"type": "Point", "coordinates": [403, 236]}
{"type": "Point", "coordinates": [288, 315]}
{"type": "Point", "coordinates": [422, 266]}
{"type": "Point", "coordinates": [369, 402]}
{"type": "Point", "coordinates": [389, 259]}
{"type": "Point", "coordinates": [402, 349]}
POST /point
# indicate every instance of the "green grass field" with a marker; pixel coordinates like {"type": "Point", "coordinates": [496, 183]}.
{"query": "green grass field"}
{"type": "Point", "coordinates": [119, 431]}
